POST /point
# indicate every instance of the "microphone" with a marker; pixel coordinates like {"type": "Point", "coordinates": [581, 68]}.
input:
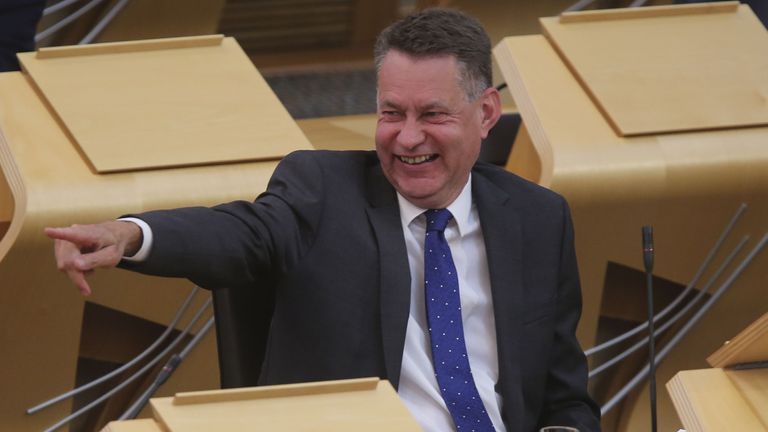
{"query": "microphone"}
{"type": "Point", "coordinates": [648, 248]}
{"type": "Point", "coordinates": [648, 263]}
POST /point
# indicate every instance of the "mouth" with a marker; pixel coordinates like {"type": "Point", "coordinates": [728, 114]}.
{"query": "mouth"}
{"type": "Point", "coordinates": [417, 160]}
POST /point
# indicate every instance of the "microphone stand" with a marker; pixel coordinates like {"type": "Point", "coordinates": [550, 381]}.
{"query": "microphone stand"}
{"type": "Point", "coordinates": [648, 263]}
{"type": "Point", "coordinates": [165, 373]}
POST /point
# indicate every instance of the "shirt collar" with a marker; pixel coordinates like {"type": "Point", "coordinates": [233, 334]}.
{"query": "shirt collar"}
{"type": "Point", "coordinates": [460, 208]}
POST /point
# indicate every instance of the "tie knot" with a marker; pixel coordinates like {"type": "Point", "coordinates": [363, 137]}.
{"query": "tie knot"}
{"type": "Point", "coordinates": [438, 219]}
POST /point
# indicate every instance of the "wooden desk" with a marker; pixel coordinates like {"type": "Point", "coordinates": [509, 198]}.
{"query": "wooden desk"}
{"type": "Point", "coordinates": [368, 404]}
{"type": "Point", "coordinates": [48, 181]}
{"type": "Point", "coordinates": [687, 185]}
{"type": "Point", "coordinates": [719, 400]}
{"type": "Point", "coordinates": [725, 398]}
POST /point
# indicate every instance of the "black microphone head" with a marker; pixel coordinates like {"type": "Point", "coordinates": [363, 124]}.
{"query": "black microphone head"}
{"type": "Point", "coordinates": [648, 247]}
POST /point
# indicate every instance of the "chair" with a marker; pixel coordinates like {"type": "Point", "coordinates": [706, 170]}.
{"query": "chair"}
{"type": "Point", "coordinates": [243, 318]}
{"type": "Point", "coordinates": [496, 146]}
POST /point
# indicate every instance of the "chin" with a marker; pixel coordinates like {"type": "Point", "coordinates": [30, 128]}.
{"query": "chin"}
{"type": "Point", "coordinates": [425, 200]}
{"type": "Point", "coordinates": [417, 192]}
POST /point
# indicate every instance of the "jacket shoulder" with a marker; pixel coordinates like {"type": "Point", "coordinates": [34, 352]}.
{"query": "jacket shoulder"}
{"type": "Point", "coordinates": [519, 189]}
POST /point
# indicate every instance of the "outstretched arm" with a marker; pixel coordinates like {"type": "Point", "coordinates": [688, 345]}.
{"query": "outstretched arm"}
{"type": "Point", "coordinates": [80, 249]}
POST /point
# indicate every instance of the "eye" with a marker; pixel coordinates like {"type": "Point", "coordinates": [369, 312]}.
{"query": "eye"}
{"type": "Point", "coordinates": [390, 115]}
{"type": "Point", "coordinates": [434, 116]}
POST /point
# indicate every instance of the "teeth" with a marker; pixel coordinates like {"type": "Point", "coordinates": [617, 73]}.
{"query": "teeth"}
{"type": "Point", "coordinates": [415, 159]}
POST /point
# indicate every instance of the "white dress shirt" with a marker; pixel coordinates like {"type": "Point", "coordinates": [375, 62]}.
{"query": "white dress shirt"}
{"type": "Point", "coordinates": [418, 386]}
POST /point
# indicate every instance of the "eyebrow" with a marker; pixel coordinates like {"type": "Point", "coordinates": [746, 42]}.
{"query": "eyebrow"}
{"type": "Point", "coordinates": [435, 105]}
{"type": "Point", "coordinates": [390, 104]}
{"type": "Point", "coordinates": [430, 106]}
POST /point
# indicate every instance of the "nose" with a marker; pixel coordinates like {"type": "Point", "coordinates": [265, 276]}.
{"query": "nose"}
{"type": "Point", "coordinates": [411, 134]}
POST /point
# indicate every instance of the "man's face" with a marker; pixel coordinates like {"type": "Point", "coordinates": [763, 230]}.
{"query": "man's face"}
{"type": "Point", "coordinates": [428, 134]}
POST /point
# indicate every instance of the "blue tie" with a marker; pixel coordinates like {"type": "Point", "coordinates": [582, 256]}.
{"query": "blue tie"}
{"type": "Point", "coordinates": [446, 331]}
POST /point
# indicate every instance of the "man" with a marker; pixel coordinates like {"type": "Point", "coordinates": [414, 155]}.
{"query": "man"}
{"type": "Point", "coordinates": [18, 23]}
{"type": "Point", "coordinates": [348, 240]}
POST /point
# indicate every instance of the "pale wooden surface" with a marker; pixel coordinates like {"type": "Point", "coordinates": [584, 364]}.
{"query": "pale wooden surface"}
{"type": "Point", "coordinates": [659, 70]}
{"type": "Point", "coordinates": [709, 400]}
{"type": "Point", "coordinates": [752, 384]}
{"type": "Point", "coordinates": [648, 12]}
{"type": "Point", "coordinates": [362, 405]}
{"type": "Point", "coordinates": [354, 132]}
{"type": "Point", "coordinates": [50, 183]}
{"type": "Point", "coordinates": [156, 104]}
{"type": "Point", "coordinates": [130, 47]}
{"type": "Point", "coordinates": [138, 425]}
{"type": "Point", "coordinates": [275, 391]}
{"type": "Point", "coordinates": [750, 345]}
{"type": "Point", "coordinates": [687, 185]}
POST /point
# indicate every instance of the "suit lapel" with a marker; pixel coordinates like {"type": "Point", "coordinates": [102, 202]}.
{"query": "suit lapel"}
{"type": "Point", "coordinates": [395, 278]}
{"type": "Point", "coordinates": [502, 232]}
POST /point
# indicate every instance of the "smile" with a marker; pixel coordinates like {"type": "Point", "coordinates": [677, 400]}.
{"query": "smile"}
{"type": "Point", "coordinates": [415, 160]}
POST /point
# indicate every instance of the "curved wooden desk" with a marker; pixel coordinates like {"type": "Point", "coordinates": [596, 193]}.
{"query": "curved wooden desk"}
{"type": "Point", "coordinates": [687, 185]}
{"type": "Point", "coordinates": [733, 395]}
{"type": "Point", "coordinates": [47, 181]}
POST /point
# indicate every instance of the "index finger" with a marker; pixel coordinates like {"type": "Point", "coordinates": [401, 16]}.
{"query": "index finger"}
{"type": "Point", "coordinates": [74, 234]}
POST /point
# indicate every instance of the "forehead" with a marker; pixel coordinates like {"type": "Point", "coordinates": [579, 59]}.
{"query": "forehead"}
{"type": "Point", "coordinates": [402, 76]}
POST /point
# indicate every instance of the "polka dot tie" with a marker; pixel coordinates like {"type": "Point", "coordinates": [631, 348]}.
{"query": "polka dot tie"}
{"type": "Point", "coordinates": [446, 331]}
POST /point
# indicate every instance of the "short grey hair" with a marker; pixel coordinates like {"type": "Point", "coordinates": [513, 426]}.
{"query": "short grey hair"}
{"type": "Point", "coordinates": [437, 32]}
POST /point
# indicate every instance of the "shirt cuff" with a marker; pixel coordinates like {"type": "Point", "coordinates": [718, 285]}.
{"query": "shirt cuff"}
{"type": "Point", "coordinates": [146, 243]}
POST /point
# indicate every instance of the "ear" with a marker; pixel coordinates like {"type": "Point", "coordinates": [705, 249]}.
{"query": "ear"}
{"type": "Point", "coordinates": [490, 110]}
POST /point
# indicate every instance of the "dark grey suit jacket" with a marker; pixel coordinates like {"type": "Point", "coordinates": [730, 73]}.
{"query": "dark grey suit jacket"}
{"type": "Point", "coordinates": [328, 237]}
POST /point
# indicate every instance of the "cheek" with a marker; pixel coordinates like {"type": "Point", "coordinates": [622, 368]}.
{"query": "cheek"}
{"type": "Point", "coordinates": [453, 144]}
{"type": "Point", "coordinates": [383, 137]}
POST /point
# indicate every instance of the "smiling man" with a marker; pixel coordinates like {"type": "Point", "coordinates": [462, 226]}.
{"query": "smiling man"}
{"type": "Point", "coordinates": [453, 279]}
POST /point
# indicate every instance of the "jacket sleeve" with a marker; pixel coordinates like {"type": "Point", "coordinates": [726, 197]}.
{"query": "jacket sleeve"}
{"type": "Point", "coordinates": [238, 243]}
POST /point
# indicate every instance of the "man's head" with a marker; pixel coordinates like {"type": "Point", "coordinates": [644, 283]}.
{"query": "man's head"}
{"type": "Point", "coordinates": [435, 103]}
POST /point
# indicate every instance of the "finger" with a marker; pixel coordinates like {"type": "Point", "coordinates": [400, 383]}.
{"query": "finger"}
{"type": "Point", "coordinates": [80, 235]}
{"type": "Point", "coordinates": [109, 256]}
{"type": "Point", "coordinates": [78, 278]}
{"type": "Point", "coordinates": [66, 254]}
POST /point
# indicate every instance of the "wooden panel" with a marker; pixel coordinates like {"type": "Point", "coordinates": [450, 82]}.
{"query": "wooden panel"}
{"type": "Point", "coordinates": [150, 19]}
{"type": "Point", "coordinates": [153, 104]}
{"type": "Point", "coordinates": [139, 425]}
{"type": "Point", "coordinates": [274, 26]}
{"type": "Point", "coordinates": [300, 33]}
{"type": "Point", "coordinates": [365, 404]}
{"type": "Point", "coordinates": [687, 185]}
{"type": "Point", "coordinates": [354, 132]}
{"type": "Point", "coordinates": [276, 391]}
{"type": "Point", "coordinates": [660, 70]}
{"type": "Point", "coordinates": [138, 19]}
{"type": "Point", "coordinates": [750, 345]}
{"type": "Point", "coordinates": [52, 185]}
{"type": "Point", "coordinates": [6, 197]}
{"type": "Point", "coordinates": [752, 384]}
{"type": "Point", "coordinates": [707, 401]}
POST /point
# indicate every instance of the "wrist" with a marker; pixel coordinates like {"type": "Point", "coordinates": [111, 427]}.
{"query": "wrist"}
{"type": "Point", "coordinates": [138, 239]}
